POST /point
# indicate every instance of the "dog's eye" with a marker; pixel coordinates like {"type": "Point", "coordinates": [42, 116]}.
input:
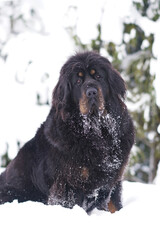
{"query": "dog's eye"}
{"type": "Point", "coordinates": [79, 81]}
{"type": "Point", "coordinates": [92, 71]}
{"type": "Point", "coordinates": [80, 74]}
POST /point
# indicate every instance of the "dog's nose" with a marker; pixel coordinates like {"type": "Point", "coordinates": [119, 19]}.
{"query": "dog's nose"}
{"type": "Point", "coordinates": [91, 92]}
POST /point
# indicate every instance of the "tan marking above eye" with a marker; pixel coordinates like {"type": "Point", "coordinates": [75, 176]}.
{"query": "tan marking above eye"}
{"type": "Point", "coordinates": [80, 74]}
{"type": "Point", "coordinates": [92, 71]}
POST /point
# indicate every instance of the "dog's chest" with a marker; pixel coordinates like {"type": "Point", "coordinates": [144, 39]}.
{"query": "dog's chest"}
{"type": "Point", "coordinates": [85, 164]}
{"type": "Point", "coordinates": [92, 160]}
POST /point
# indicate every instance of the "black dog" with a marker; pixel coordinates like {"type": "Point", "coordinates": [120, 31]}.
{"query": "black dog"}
{"type": "Point", "coordinates": [79, 153]}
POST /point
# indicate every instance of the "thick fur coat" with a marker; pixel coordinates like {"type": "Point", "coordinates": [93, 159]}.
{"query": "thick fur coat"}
{"type": "Point", "coordinates": [79, 153]}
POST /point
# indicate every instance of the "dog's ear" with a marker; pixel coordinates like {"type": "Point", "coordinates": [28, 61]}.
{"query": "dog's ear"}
{"type": "Point", "coordinates": [60, 98]}
{"type": "Point", "coordinates": [116, 83]}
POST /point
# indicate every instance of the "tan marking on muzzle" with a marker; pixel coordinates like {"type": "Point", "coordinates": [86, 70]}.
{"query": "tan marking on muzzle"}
{"type": "Point", "coordinates": [83, 103]}
{"type": "Point", "coordinates": [101, 100]}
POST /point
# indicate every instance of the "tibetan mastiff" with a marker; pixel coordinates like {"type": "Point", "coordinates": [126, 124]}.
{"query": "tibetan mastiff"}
{"type": "Point", "coordinates": [79, 153]}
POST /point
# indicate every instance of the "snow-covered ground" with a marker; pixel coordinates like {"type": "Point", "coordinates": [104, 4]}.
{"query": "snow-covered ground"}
{"type": "Point", "coordinates": [138, 220]}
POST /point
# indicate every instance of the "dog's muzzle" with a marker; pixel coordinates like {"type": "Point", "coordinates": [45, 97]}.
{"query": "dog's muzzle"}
{"type": "Point", "coordinates": [92, 97]}
{"type": "Point", "coordinates": [92, 101]}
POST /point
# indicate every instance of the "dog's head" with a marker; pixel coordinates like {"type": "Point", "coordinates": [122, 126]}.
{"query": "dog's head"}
{"type": "Point", "coordinates": [88, 83]}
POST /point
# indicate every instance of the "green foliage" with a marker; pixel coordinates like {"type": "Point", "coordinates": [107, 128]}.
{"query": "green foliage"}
{"type": "Point", "coordinates": [134, 44]}
{"type": "Point", "coordinates": [96, 44]}
{"type": "Point", "coordinates": [149, 9]}
{"type": "Point", "coordinates": [142, 93]}
{"type": "Point", "coordinates": [114, 53]}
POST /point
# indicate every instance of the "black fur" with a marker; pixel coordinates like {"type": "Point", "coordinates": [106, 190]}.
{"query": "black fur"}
{"type": "Point", "coordinates": [79, 153]}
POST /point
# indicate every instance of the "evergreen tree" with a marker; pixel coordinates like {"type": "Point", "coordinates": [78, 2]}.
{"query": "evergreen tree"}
{"type": "Point", "coordinates": [142, 99]}
{"type": "Point", "coordinates": [142, 93]}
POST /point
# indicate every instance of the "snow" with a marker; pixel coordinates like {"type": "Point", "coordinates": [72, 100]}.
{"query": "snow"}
{"type": "Point", "coordinates": [137, 220]}
{"type": "Point", "coordinates": [150, 27]}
